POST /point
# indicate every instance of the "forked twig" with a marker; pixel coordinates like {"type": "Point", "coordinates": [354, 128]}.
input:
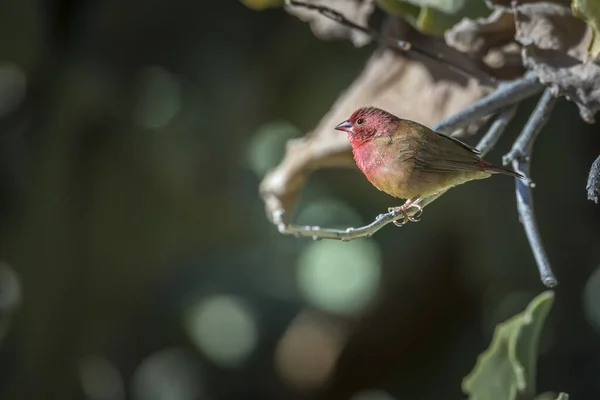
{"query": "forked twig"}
{"type": "Point", "coordinates": [520, 157]}
{"type": "Point", "coordinates": [508, 93]}
{"type": "Point", "coordinates": [392, 42]}
{"type": "Point", "coordinates": [489, 140]}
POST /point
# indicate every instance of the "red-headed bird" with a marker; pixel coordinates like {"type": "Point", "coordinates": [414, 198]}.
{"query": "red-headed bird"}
{"type": "Point", "coordinates": [409, 161]}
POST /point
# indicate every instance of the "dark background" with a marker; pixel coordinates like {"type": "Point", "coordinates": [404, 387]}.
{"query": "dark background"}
{"type": "Point", "coordinates": [138, 261]}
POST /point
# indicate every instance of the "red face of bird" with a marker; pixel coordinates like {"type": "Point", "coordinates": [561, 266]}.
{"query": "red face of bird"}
{"type": "Point", "coordinates": [367, 123]}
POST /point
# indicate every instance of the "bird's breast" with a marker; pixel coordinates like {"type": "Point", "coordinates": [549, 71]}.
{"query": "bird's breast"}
{"type": "Point", "coordinates": [384, 168]}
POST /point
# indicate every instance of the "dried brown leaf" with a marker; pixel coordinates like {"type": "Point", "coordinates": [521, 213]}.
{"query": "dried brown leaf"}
{"type": "Point", "coordinates": [555, 45]}
{"type": "Point", "coordinates": [426, 93]}
{"type": "Point", "coordinates": [476, 37]}
{"type": "Point", "coordinates": [490, 40]}
{"type": "Point", "coordinates": [505, 62]}
{"type": "Point", "coordinates": [357, 11]}
{"type": "Point", "coordinates": [552, 42]}
{"type": "Point", "coordinates": [547, 26]}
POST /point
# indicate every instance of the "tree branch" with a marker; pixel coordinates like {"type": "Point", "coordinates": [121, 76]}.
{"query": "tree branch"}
{"type": "Point", "coordinates": [507, 93]}
{"type": "Point", "coordinates": [520, 157]}
{"type": "Point", "coordinates": [593, 182]}
{"type": "Point", "coordinates": [489, 140]}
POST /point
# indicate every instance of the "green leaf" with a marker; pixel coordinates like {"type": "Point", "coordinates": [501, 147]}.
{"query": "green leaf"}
{"type": "Point", "coordinates": [434, 17]}
{"type": "Point", "coordinates": [434, 22]}
{"type": "Point", "coordinates": [401, 8]}
{"type": "Point", "coordinates": [552, 396]}
{"type": "Point", "coordinates": [589, 11]}
{"type": "Point", "coordinates": [445, 6]}
{"type": "Point", "coordinates": [507, 369]}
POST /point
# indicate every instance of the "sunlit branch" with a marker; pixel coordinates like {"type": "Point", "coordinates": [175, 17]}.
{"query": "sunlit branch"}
{"type": "Point", "coordinates": [593, 182]}
{"type": "Point", "coordinates": [391, 42]}
{"type": "Point", "coordinates": [489, 140]}
{"type": "Point", "coordinates": [316, 232]}
{"type": "Point", "coordinates": [507, 93]}
{"type": "Point", "coordinates": [520, 157]}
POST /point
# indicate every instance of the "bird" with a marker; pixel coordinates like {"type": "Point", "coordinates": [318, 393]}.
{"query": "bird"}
{"type": "Point", "coordinates": [410, 161]}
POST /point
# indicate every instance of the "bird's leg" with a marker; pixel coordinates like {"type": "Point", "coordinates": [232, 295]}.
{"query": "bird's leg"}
{"type": "Point", "coordinates": [408, 204]}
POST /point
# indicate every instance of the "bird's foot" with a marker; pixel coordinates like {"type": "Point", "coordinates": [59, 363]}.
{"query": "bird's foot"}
{"type": "Point", "coordinates": [403, 209]}
{"type": "Point", "coordinates": [402, 222]}
{"type": "Point", "coordinates": [417, 216]}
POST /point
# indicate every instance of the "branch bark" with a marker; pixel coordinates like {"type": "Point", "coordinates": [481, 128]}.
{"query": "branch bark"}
{"type": "Point", "coordinates": [520, 157]}
{"type": "Point", "coordinates": [507, 93]}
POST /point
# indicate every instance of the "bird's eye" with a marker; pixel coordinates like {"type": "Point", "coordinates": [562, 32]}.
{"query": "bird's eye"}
{"type": "Point", "coordinates": [360, 121]}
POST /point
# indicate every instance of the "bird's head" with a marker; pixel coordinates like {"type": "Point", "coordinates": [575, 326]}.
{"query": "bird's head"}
{"type": "Point", "coordinates": [367, 123]}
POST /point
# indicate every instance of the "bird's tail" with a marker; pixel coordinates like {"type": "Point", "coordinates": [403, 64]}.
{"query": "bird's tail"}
{"type": "Point", "coordinates": [500, 170]}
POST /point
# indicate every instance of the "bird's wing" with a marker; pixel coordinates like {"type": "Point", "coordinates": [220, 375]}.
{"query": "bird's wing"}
{"type": "Point", "coordinates": [446, 154]}
{"type": "Point", "coordinates": [459, 142]}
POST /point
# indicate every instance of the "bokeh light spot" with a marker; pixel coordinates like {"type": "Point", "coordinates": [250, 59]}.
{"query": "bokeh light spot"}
{"type": "Point", "coordinates": [10, 288]}
{"type": "Point", "coordinates": [328, 212]}
{"type": "Point", "coordinates": [12, 87]}
{"type": "Point", "coordinates": [170, 374]}
{"type": "Point", "coordinates": [372, 395]}
{"type": "Point", "coordinates": [340, 277]}
{"type": "Point", "coordinates": [223, 328]}
{"type": "Point", "coordinates": [307, 352]}
{"type": "Point", "coordinates": [591, 299]}
{"type": "Point", "coordinates": [100, 380]}
{"type": "Point", "coordinates": [267, 146]}
{"type": "Point", "coordinates": [159, 99]}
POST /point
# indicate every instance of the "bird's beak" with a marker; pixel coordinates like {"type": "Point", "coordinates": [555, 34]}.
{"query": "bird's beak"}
{"type": "Point", "coordinates": [345, 126]}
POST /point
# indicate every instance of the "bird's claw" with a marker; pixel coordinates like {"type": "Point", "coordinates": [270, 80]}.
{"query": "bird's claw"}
{"type": "Point", "coordinates": [414, 218]}
{"type": "Point", "coordinates": [398, 223]}
{"type": "Point", "coordinates": [417, 216]}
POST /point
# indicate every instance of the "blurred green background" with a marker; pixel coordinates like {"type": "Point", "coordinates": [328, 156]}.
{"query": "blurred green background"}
{"type": "Point", "coordinates": [137, 261]}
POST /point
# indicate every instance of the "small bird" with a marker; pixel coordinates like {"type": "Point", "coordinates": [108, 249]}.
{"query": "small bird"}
{"type": "Point", "coordinates": [409, 161]}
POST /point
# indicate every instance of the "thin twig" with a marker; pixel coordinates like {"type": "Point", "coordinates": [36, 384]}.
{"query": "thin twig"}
{"type": "Point", "coordinates": [593, 182]}
{"type": "Point", "coordinates": [316, 232]}
{"type": "Point", "coordinates": [507, 93]}
{"type": "Point", "coordinates": [520, 156]}
{"type": "Point", "coordinates": [392, 42]}
{"type": "Point", "coordinates": [523, 146]}
{"type": "Point", "coordinates": [489, 140]}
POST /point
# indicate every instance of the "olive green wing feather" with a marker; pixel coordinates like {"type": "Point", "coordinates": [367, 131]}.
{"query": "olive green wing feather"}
{"type": "Point", "coordinates": [459, 142]}
{"type": "Point", "coordinates": [446, 154]}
